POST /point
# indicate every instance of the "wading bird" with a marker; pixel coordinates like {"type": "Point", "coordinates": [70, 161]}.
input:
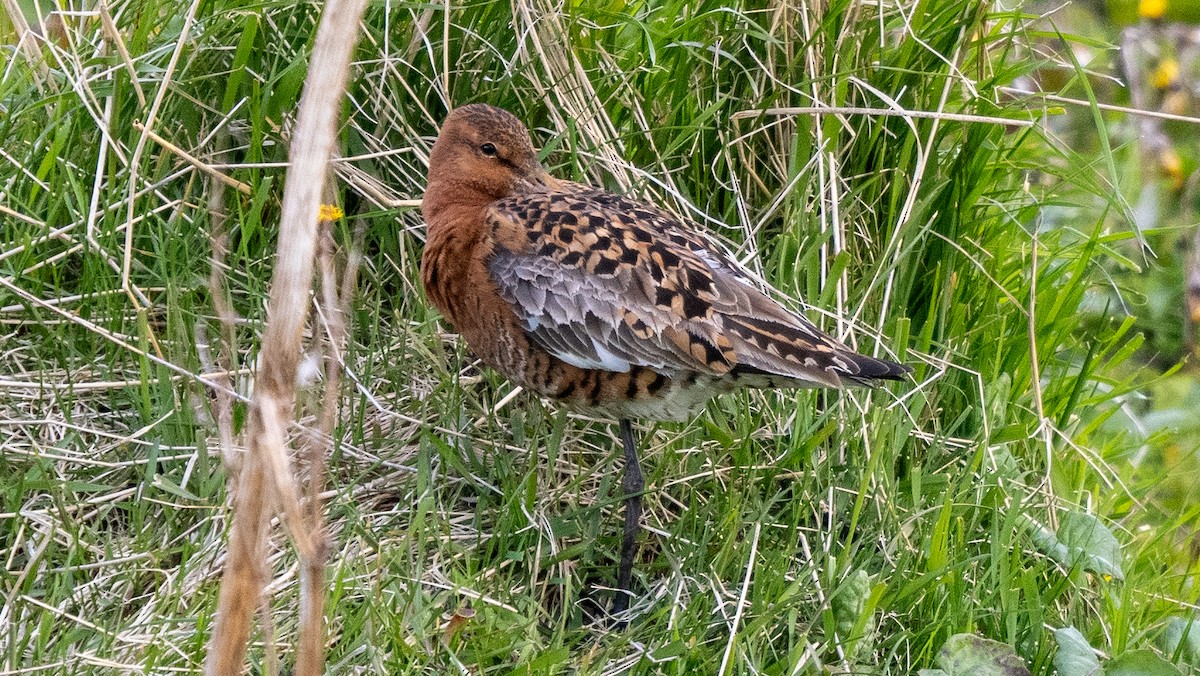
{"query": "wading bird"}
{"type": "Point", "coordinates": [604, 303]}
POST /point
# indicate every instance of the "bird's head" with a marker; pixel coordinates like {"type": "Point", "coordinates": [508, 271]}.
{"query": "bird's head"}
{"type": "Point", "coordinates": [484, 149]}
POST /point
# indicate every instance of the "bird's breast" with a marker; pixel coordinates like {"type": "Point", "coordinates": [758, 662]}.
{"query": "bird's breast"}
{"type": "Point", "coordinates": [457, 282]}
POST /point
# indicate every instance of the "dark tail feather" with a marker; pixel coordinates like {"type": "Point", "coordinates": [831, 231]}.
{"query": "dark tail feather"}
{"type": "Point", "coordinates": [871, 370]}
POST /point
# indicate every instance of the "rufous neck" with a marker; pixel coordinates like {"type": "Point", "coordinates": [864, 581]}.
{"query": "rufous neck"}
{"type": "Point", "coordinates": [445, 196]}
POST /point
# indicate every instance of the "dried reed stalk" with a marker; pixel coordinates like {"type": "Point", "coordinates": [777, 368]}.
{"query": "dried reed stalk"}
{"type": "Point", "coordinates": [219, 368]}
{"type": "Point", "coordinates": [266, 475]}
{"type": "Point", "coordinates": [334, 305]}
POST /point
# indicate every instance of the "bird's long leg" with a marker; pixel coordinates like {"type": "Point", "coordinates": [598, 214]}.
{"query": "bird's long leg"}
{"type": "Point", "coordinates": [632, 483]}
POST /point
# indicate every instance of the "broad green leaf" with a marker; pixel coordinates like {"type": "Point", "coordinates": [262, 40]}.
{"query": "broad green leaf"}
{"type": "Point", "coordinates": [971, 655]}
{"type": "Point", "coordinates": [849, 601]}
{"type": "Point", "coordinates": [1084, 534]}
{"type": "Point", "coordinates": [1082, 540]}
{"type": "Point", "coordinates": [1075, 656]}
{"type": "Point", "coordinates": [1140, 663]}
{"type": "Point", "coordinates": [932, 672]}
{"type": "Point", "coordinates": [1185, 631]}
{"type": "Point", "coordinates": [854, 613]}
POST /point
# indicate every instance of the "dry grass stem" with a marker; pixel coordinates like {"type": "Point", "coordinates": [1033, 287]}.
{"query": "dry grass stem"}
{"type": "Point", "coordinates": [135, 295]}
{"type": "Point", "coordinates": [110, 29]}
{"type": "Point", "coordinates": [187, 157]}
{"type": "Point", "coordinates": [107, 334]}
{"type": "Point", "coordinates": [218, 291]}
{"type": "Point", "coordinates": [882, 112]}
{"type": "Point", "coordinates": [1128, 110]}
{"type": "Point", "coordinates": [335, 300]}
{"type": "Point", "coordinates": [267, 464]}
{"type": "Point", "coordinates": [27, 42]}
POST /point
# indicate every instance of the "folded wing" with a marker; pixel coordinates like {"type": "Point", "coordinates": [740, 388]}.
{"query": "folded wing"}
{"type": "Point", "coordinates": [604, 282]}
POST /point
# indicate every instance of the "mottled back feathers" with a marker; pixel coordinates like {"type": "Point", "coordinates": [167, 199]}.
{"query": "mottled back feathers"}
{"type": "Point", "coordinates": [604, 284]}
{"type": "Point", "coordinates": [602, 281]}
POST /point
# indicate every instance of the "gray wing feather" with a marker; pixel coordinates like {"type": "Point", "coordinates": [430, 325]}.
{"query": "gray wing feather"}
{"type": "Point", "coordinates": [603, 282]}
{"type": "Point", "coordinates": [574, 315]}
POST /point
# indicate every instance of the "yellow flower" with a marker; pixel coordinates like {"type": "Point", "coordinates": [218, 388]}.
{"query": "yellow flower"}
{"type": "Point", "coordinates": [1152, 9]}
{"type": "Point", "coordinates": [330, 213]}
{"type": "Point", "coordinates": [1171, 165]}
{"type": "Point", "coordinates": [1167, 73]}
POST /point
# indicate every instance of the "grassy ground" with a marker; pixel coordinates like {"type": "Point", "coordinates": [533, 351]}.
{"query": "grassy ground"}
{"type": "Point", "coordinates": [1012, 489]}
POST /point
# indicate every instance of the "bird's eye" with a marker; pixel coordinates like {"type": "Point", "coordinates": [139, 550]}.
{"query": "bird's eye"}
{"type": "Point", "coordinates": [488, 149]}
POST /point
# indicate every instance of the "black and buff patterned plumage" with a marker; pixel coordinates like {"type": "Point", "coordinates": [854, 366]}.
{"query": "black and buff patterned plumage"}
{"type": "Point", "coordinates": [600, 301]}
{"type": "Point", "coordinates": [609, 283]}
